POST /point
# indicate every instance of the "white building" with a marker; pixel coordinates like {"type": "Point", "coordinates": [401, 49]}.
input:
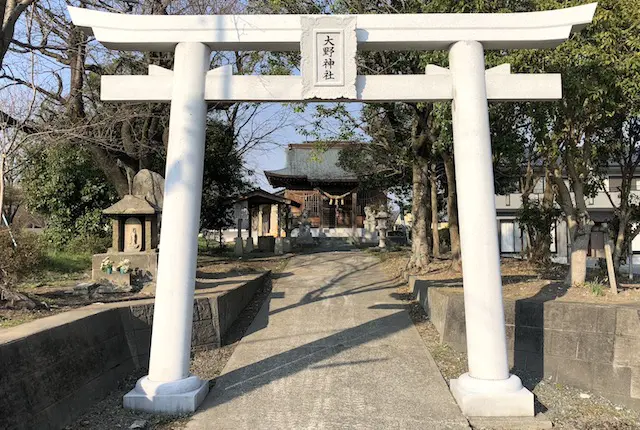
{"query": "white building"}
{"type": "Point", "coordinates": [513, 239]}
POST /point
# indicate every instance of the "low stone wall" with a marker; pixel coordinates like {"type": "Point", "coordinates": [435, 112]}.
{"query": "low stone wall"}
{"type": "Point", "coordinates": [589, 346]}
{"type": "Point", "coordinates": [54, 368]}
{"type": "Point", "coordinates": [143, 264]}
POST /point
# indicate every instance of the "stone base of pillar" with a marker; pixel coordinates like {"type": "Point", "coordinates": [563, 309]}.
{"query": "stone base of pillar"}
{"type": "Point", "coordinates": [485, 398]}
{"type": "Point", "coordinates": [286, 244]}
{"type": "Point", "coordinates": [183, 396]}
{"type": "Point", "coordinates": [238, 250]}
{"type": "Point", "coordinates": [278, 248]}
{"type": "Point", "coordinates": [248, 246]}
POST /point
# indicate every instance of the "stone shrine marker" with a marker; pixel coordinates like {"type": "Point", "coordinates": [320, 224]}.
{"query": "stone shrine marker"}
{"type": "Point", "coordinates": [328, 45]}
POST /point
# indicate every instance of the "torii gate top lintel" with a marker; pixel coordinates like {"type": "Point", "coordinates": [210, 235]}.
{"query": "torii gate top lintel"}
{"type": "Point", "coordinates": [332, 75]}
{"type": "Point", "coordinates": [525, 30]}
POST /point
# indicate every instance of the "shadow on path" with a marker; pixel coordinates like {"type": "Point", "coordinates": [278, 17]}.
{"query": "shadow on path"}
{"type": "Point", "coordinates": [243, 380]}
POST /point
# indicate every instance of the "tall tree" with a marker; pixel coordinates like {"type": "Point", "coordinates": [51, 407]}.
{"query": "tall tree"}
{"type": "Point", "coordinates": [599, 69]}
{"type": "Point", "coordinates": [620, 189]}
{"type": "Point", "coordinates": [223, 178]}
{"type": "Point", "coordinates": [10, 13]}
{"type": "Point", "coordinates": [133, 136]}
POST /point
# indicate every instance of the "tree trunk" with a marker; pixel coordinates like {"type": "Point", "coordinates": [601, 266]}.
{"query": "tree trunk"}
{"type": "Point", "coordinates": [578, 220]}
{"type": "Point", "coordinates": [76, 53]}
{"type": "Point", "coordinates": [2, 162]}
{"type": "Point", "coordinates": [580, 231]}
{"type": "Point", "coordinates": [433, 180]}
{"type": "Point", "coordinates": [620, 250]}
{"type": "Point", "coordinates": [540, 248]}
{"type": "Point", "coordinates": [452, 208]}
{"type": "Point", "coordinates": [420, 211]}
{"type": "Point", "coordinates": [108, 164]}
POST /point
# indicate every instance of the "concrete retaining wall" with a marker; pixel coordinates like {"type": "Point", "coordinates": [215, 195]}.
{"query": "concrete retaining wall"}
{"type": "Point", "coordinates": [589, 346]}
{"type": "Point", "coordinates": [54, 368]}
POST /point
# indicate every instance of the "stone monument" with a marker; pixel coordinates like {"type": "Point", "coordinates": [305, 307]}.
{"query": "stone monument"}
{"type": "Point", "coordinates": [150, 185]}
{"type": "Point", "coordinates": [370, 232]}
{"type": "Point", "coordinates": [135, 238]}
{"type": "Point", "coordinates": [304, 230]}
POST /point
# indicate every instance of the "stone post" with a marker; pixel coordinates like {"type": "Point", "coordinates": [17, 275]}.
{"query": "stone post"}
{"type": "Point", "coordinates": [169, 387]}
{"type": "Point", "coordinates": [488, 389]}
{"type": "Point", "coordinates": [630, 274]}
{"type": "Point", "coordinates": [249, 245]}
{"type": "Point", "coordinates": [279, 242]}
{"type": "Point", "coordinates": [238, 250]}
{"type": "Point", "coordinates": [354, 216]}
{"type": "Point", "coordinates": [116, 234]}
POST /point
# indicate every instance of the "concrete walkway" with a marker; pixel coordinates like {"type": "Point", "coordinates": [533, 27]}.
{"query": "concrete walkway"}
{"type": "Point", "coordinates": [331, 349]}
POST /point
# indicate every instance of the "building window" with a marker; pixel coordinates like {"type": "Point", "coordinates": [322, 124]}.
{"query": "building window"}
{"type": "Point", "coordinates": [554, 239]}
{"type": "Point", "coordinates": [510, 237]}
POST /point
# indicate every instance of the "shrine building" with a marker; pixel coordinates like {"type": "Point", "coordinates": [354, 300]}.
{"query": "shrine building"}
{"type": "Point", "coordinates": [334, 198]}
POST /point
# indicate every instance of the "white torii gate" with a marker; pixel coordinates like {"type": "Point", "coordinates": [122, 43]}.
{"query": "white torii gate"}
{"type": "Point", "coordinates": [328, 44]}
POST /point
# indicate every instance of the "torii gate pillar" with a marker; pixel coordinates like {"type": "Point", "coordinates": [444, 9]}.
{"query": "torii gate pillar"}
{"type": "Point", "coordinates": [488, 389]}
{"type": "Point", "coordinates": [169, 386]}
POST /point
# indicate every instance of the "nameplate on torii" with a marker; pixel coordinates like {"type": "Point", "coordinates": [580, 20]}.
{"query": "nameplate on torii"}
{"type": "Point", "coordinates": [328, 47]}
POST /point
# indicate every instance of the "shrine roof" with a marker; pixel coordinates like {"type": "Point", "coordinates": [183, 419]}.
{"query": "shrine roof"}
{"type": "Point", "coordinates": [312, 163]}
{"type": "Point", "coordinates": [261, 197]}
{"type": "Point", "coordinates": [131, 205]}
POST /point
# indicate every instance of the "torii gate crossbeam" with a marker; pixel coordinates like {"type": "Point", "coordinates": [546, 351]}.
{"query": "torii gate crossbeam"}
{"type": "Point", "coordinates": [328, 44]}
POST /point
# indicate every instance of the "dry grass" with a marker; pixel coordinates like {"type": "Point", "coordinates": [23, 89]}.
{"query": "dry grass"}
{"type": "Point", "coordinates": [522, 280]}
{"type": "Point", "coordinates": [55, 295]}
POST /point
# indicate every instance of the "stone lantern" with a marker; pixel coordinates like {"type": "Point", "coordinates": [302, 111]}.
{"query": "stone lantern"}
{"type": "Point", "coordinates": [382, 219]}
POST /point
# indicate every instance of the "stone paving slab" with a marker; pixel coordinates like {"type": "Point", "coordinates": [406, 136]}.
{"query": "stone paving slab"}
{"type": "Point", "coordinates": [331, 349]}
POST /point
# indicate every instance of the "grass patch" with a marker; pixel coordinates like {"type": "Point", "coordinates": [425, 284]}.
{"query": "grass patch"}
{"type": "Point", "coordinates": [212, 247]}
{"type": "Point", "coordinates": [59, 266]}
{"type": "Point", "coordinates": [66, 262]}
{"type": "Point", "coordinates": [596, 287]}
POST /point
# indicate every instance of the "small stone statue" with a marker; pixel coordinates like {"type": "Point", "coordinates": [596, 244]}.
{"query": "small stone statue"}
{"type": "Point", "coordinates": [369, 219]}
{"type": "Point", "coordinates": [134, 241]}
{"type": "Point", "coordinates": [304, 231]}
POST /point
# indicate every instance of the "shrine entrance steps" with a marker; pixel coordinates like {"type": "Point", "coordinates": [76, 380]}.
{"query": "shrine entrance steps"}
{"type": "Point", "coordinates": [331, 349]}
